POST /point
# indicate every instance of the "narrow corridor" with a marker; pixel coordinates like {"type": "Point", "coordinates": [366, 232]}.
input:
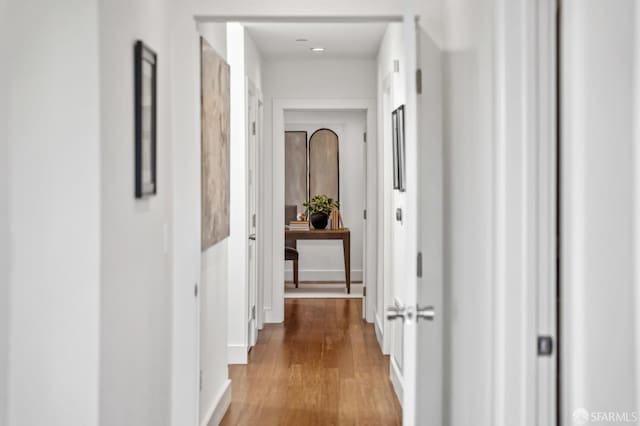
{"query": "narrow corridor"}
{"type": "Point", "coordinates": [323, 366]}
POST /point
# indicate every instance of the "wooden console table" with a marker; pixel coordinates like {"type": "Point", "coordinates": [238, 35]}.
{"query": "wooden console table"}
{"type": "Point", "coordinates": [327, 234]}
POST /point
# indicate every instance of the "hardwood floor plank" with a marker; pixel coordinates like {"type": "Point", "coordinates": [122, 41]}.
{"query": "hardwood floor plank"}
{"type": "Point", "coordinates": [323, 366]}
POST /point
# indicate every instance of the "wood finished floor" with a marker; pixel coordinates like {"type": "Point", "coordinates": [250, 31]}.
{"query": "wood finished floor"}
{"type": "Point", "coordinates": [323, 366]}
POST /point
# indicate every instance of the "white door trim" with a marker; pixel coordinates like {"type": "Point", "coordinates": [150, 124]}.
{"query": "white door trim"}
{"type": "Point", "coordinates": [276, 313]}
{"type": "Point", "coordinates": [523, 387]}
{"type": "Point", "coordinates": [253, 170]}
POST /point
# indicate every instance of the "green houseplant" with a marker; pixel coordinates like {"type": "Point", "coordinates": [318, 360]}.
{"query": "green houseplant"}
{"type": "Point", "coordinates": [319, 208]}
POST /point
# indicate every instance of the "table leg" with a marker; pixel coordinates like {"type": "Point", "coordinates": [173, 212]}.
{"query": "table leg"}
{"type": "Point", "coordinates": [346, 248]}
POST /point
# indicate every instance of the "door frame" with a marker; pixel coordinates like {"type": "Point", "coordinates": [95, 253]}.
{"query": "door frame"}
{"type": "Point", "coordinates": [524, 248]}
{"type": "Point", "coordinates": [275, 312]}
{"type": "Point", "coordinates": [253, 100]}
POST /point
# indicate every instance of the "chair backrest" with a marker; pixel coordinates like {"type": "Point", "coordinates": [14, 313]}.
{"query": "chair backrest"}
{"type": "Point", "coordinates": [290, 213]}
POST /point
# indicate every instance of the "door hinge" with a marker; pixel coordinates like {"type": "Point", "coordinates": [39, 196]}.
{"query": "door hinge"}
{"type": "Point", "coordinates": [419, 261]}
{"type": "Point", "coordinates": [364, 137]}
{"type": "Point", "coordinates": [364, 214]}
{"type": "Point", "coordinates": [364, 292]}
{"type": "Point", "coordinates": [200, 381]}
{"type": "Point", "coordinates": [419, 81]}
{"type": "Point", "coordinates": [545, 345]}
{"type": "Point", "coordinates": [195, 290]}
{"type": "Point", "coordinates": [396, 65]}
{"type": "Point", "coordinates": [253, 128]}
{"type": "Point", "coordinates": [253, 312]}
{"type": "Point", "coordinates": [253, 220]}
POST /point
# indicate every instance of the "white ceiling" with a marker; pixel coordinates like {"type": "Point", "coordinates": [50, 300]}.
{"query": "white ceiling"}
{"type": "Point", "coordinates": [353, 40]}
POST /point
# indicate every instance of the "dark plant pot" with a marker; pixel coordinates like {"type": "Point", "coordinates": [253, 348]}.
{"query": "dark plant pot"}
{"type": "Point", "coordinates": [319, 220]}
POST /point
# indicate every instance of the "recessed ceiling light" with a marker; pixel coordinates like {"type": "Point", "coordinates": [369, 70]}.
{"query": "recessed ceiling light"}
{"type": "Point", "coordinates": [317, 49]}
{"type": "Point", "coordinates": [302, 39]}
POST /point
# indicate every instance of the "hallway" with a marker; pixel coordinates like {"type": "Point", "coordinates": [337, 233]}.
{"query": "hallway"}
{"type": "Point", "coordinates": [322, 366]}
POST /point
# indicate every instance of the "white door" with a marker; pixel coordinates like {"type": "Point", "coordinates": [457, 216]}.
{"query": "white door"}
{"type": "Point", "coordinates": [417, 234]}
{"type": "Point", "coordinates": [252, 214]}
{"type": "Point", "coordinates": [429, 363]}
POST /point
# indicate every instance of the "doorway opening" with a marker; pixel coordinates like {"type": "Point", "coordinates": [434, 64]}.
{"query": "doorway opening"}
{"type": "Point", "coordinates": [325, 74]}
{"type": "Point", "coordinates": [325, 154]}
{"type": "Point", "coordinates": [330, 96]}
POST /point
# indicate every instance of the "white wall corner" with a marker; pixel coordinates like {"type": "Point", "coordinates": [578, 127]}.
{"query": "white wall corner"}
{"type": "Point", "coordinates": [219, 405]}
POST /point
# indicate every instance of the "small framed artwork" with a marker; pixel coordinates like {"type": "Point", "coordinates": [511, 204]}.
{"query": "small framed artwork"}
{"type": "Point", "coordinates": [145, 107]}
{"type": "Point", "coordinates": [394, 148]}
{"type": "Point", "coordinates": [402, 158]}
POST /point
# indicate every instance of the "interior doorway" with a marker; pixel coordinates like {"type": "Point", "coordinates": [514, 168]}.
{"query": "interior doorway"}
{"type": "Point", "coordinates": [334, 165]}
{"type": "Point", "coordinates": [333, 91]}
{"type": "Point", "coordinates": [295, 114]}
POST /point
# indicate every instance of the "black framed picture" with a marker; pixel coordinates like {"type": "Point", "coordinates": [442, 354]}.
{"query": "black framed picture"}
{"type": "Point", "coordinates": [402, 158]}
{"type": "Point", "coordinates": [394, 148]}
{"type": "Point", "coordinates": [145, 107]}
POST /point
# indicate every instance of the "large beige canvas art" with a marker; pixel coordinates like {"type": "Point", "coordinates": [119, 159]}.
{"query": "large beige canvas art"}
{"type": "Point", "coordinates": [214, 75]}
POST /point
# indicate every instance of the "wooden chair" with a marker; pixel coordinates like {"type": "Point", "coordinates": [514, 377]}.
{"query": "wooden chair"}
{"type": "Point", "coordinates": [291, 247]}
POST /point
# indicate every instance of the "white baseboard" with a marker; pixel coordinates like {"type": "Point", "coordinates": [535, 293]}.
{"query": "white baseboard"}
{"type": "Point", "coordinates": [379, 333]}
{"type": "Point", "coordinates": [237, 354]}
{"type": "Point", "coordinates": [323, 274]}
{"type": "Point", "coordinates": [396, 379]}
{"type": "Point", "coordinates": [268, 316]}
{"type": "Point", "coordinates": [219, 405]}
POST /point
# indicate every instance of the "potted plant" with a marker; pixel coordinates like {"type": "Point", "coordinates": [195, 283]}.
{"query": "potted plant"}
{"type": "Point", "coordinates": [319, 208]}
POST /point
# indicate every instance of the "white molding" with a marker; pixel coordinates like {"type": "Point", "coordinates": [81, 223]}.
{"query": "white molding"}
{"type": "Point", "coordinates": [521, 156]}
{"type": "Point", "coordinates": [237, 354]}
{"type": "Point", "coordinates": [279, 106]}
{"type": "Point", "coordinates": [219, 405]}
{"type": "Point", "coordinates": [396, 379]}
{"type": "Point", "coordinates": [328, 19]}
{"type": "Point", "coordinates": [546, 180]}
{"type": "Point", "coordinates": [380, 334]}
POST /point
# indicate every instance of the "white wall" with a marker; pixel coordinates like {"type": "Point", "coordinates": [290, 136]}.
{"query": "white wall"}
{"type": "Point", "coordinates": [213, 290]}
{"type": "Point", "coordinates": [245, 62]}
{"type": "Point", "coordinates": [5, 248]}
{"type": "Point", "coordinates": [185, 108]}
{"type": "Point", "coordinates": [135, 361]}
{"type": "Point", "coordinates": [213, 330]}
{"type": "Point", "coordinates": [390, 333]}
{"type": "Point", "coordinates": [291, 79]}
{"type": "Point", "coordinates": [391, 51]}
{"type": "Point", "coordinates": [468, 215]}
{"type": "Point", "coordinates": [52, 119]}
{"type": "Point", "coordinates": [600, 207]}
{"type": "Point", "coordinates": [252, 61]}
{"type": "Point", "coordinates": [323, 260]}
{"type": "Point", "coordinates": [195, 345]}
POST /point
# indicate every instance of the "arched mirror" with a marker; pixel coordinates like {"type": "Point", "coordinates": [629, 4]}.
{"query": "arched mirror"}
{"type": "Point", "coordinates": [324, 174]}
{"type": "Point", "coordinates": [295, 170]}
